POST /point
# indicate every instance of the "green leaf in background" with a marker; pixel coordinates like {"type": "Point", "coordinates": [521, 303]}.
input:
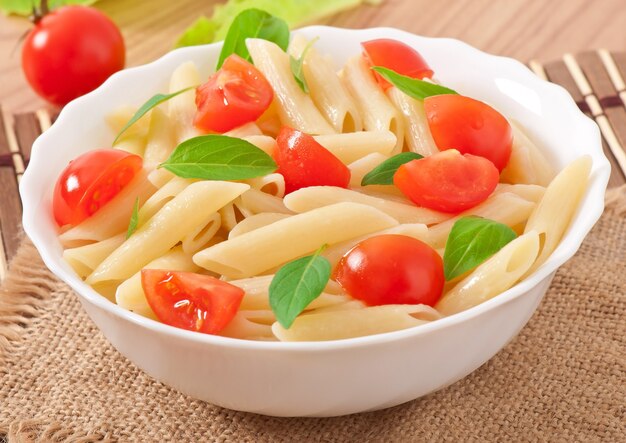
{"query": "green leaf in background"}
{"type": "Point", "coordinates": [412, 87]}
{"type": "Point", "coordinates": [297, 65]}
{"type": "Point", "coordinates": [218, 157]}
{"type": "Point", "coordinates": [253, 23]}
{"type": "Point", "coordinates": [296, 285]}
{"type": "Point", "coordinates": [473, 240]}
{"type": "Point", "coordinates": [25, 7]}
{"type": "Point", "coordinates": [134, 220]}
{"type": "Point", "coordinates": [201, 32]}
{"type": "Point", "coordinates": [153, 101]}
{"type": "Point", "coordinates": [383, 173]}
{"type": "Point", "coordinates": [295, 12]}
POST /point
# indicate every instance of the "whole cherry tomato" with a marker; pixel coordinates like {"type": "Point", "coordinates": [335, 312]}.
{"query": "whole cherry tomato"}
{"type": "Point", "coordinates": [91, 181]}
{"type": "Point", "coordinates": [392, 269]}
{"type": "Point", "coordinates": [447, 181]}
{"type": "Point", "coordinates": [236, 94]}
{"type": "Point", "coordinates": [70, 52]}
{"type": "Point", "coordinates": [191, 301]}
{"type": "Point", "coordinates": [304, 162]}
{"type": "Point", "coordinates": [469, 126]}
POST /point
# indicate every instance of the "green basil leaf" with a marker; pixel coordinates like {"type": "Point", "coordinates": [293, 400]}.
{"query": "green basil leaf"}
{"type": "Point", "coordinates": [134, 220]}
{"type": "Point", "coordinates": [253, 23]}
{"type": "Point", "coordinates": [297, 65]}
{"type": "Point", "coordinates": [218, 157]}
{"type": "Point", "coordinates": [152, 102]}
{"type": "Point", "coordinates": [297, 284]}
{"type": "Point", "coordinates": [412, 87]}
{"type": "Point", "coordinates": [473, 240]}
{"type": "Point", "coordinates": [383, 173]}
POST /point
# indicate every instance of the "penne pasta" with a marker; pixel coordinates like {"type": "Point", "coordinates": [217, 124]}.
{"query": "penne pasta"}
{"type": "Point", "coordinates": [494, 276]}
{"type": "Point", "coordinates": [84, 259]}
{"type": "Point", "coordinates": [182, 108]}
{"type": "Point", "coordinates": [246, 325]}
{"type": "Point", "coordinates": [295, 108]}
{"type": "Point", "coordinates": [198, 238]}
{"type": "Point", "coordinates": [255, 222]}
{"type": "Point", "coordinates": [161, 197]}
{"type": "Point", "coordinates": [532, 193]}
{"type": "Point", "coordinates": [352, 146]}
{"type": "Point", "coordinates": [246, 130]}
{"type": "Point", "coordinates": [375, 108]}
{"type": "Point", "coordinates": [256, 201]}
{"type": "Point", "coordinates": [416, 131]}
{"type": "Point", "coordinates": [264, 142]}
{"type": "Point", "coordinates": [117, 119]}
{"type": "Point", "coordinates": [191, 208]}
{"type": "Point", "coordinates": [133, 144]}
{"type": "Point", "coordinates": [161, 140]}
{"type": "Point", "coordinates": [256, 251]}
{"type": "Point", "coordinates": [527, 164]}
{"type": "Point", "coordinates": [326, 89]}
{"type": "Point", "coordinates": [273, 184]}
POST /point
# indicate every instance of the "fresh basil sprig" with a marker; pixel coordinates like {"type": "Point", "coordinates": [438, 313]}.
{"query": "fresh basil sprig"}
{"type": "Point", "coordinates": [412, 87]}
{"type": "Point", "coordinates": [473, 240]}
{"type": "Point", "coordinates": [134, 220]}
{"type": "Point", "coordinates": [218, 157]}
{"type": "Point", "coordinates": [152, 102]}
{"type": "Point", "coordinates": [297, 65]}
{"type": "Point", "coordinates": [383, 173]}
{"type": "Point", "coordinates": [297, 284]}
{"type": "Point", "coordinates": [253, 23]}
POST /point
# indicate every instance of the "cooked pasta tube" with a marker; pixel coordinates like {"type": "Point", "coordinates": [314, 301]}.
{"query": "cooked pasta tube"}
{"type": "Point", "coordinates": [292, 237]}
{"type": "Point", "coordinates": [500, 272]}
{"type": "Point", "coordinates": [130, 294]}
{"type": "Point", "coordinates": [133, 144]}
{"type": "Point", "coordinates": [255, 221]}
{"type": "Point", "coordinates": [159, 177]}
{"type": "Point", "coordinates": [245, 130]}
{"type": "Point", "coordinates": [198, 238]}
{"type": "Point", "coordinates": [161, 139]}
{"type": "Point", "coordinates": [527, 163]}
{"type": "Point", "coordinates": [336, 325]}
{"type": "Point", "coordinates": [306, 199]}
{"type": "Point", "coordinates": [273, 184]}
{"type": "Point", "coordinates": [532, 193]}
{"type": "Point", "coordinates": [161, 197]}
{"type": "Point", "coordinates": [506, 208]}
{"type": "Point", "coordinates": [84, 259]}
{"type": "Point", "coordinates": [113, 217]}
{"type": "Point", "coordinates": [416, 131]}
{"type": "Point", "coordinates": [375, 108]}
{"type": "Point", "coordinates": [246, 325]}
{"type": "Point", "coordinates": [335, 252]}
{"type": "Point", "coordinates": [182, 108]}
{"type": "Point", "coordinates": [358, 170]}
{"type": "Point", "coordinates": [117, 119]}
{"type": "Point", "coordinates": [554, 212]}
{"type": "Point", "coordinates": [325, 88]}
{"type": "Point", "coordinates": [256, 202]}
{"type": "Point", "coordinates": [296, 109]}
{"type": "Point", "coordinates": [264, 142]}
{"type": "Point", "coordinates": [191, 208]}
{"type": "Point", "coordinates": [351, 146]}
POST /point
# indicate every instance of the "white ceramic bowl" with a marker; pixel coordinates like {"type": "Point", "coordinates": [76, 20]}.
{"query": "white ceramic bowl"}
{"type": "Point", "coordinates": [337, 377]}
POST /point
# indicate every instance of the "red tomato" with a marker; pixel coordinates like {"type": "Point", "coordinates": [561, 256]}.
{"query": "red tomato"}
{"type": "Point", "coordinates": [236, 94]}
{"type": "Point", "coordinates": [304, 162]}
{"type": "Point", "coordinates": [398, 57]}
{"type": "Point", "coordinates": [70, 52]}
{"type": "Point", "coordinates": [392, 269]}
{"type": "Point", "coordinates": [191, 301]}
{"type": "Point", "coordinates": [469, 126]}
{"type": "Point", "coordinates": [447, 181]}
{"type": "Point", "coordinates": [90, 181]}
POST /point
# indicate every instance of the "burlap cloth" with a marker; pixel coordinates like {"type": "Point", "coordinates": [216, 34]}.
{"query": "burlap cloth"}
{"type": "Point", "coordinates": [562, 379]}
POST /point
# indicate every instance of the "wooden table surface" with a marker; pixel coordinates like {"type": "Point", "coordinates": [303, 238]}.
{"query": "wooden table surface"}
{"type": "Point", "coordinates": [524, 29]}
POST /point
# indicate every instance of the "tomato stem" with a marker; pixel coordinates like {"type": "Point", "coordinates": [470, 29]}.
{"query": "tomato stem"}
{"type": "Point", "coordinates": [40, 13]}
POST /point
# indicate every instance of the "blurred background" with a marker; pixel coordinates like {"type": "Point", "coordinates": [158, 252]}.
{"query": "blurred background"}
{"type": "Point", "coordinates": [524, 29]}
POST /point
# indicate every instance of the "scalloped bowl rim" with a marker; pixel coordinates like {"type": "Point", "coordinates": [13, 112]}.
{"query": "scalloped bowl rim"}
{"type": "Point", "coordinates": [566, 249]}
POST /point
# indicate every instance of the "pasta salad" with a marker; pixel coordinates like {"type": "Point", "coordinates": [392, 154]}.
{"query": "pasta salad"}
{"type": "Point", "coordinates": [284, 199]}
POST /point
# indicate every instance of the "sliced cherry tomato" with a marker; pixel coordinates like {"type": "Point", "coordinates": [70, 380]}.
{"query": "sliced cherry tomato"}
{"type": "Point", "coordinates": [191, 301]}
{"type": "Point", "coordinates": [398, 57]}
{"type": "Point", "coordinates": [304, 162]}
{"type": "Point", "coordinates": [236, 94]}
{"type": "Point", "coordinates": [447, 181]}
{"type": "Point", "coordinates": [392, 269]}
{"type": "Point", "coordinates": [70, 52]}
{"type": "Point", "coordinates": [469, 126]}
{"type": "Point", "coordinates": [91, 181]}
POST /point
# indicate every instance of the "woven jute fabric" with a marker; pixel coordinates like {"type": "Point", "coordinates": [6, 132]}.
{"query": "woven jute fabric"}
{"type": "Point", "coordinates": [562, 379]}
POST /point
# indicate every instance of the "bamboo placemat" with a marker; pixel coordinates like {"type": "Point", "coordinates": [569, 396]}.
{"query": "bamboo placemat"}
{"type": "Point", "coordinates": [595, 79]}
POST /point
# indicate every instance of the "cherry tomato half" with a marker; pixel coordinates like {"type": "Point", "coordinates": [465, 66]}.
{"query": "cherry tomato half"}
{"type": "Point", "coordinates": [70, 52]}
{"type": "Point", "coordinates": [469, 126]}
{"type": "Point", "coordinates": [447, 181]}
{"type": "Point", "coordinates": [236, 94]}
{"type": "Point", "coordinates": [392, 269]}
{"type": "Point", "coordinates": [304, 162]}
{"type": "Point", "coordinates": [398, 57]}
{"type": "Point", "coordinates": [191, 301]}
{"type": "Point", "coordinates": [91, 181]}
